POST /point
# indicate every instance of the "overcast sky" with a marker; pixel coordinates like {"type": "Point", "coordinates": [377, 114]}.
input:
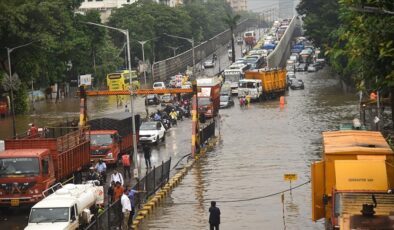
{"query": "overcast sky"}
{"type": "Point", "coordinates": [261, 5]}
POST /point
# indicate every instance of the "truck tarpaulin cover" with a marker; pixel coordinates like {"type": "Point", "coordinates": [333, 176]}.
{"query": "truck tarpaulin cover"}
{"type": "Point", "coordinates": [361, 175]}
{"type": "Point", "coordinates": [121, 122]}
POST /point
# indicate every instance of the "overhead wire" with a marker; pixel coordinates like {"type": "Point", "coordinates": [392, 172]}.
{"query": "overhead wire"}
{"type": "Point", "coordinates": [243, 200]}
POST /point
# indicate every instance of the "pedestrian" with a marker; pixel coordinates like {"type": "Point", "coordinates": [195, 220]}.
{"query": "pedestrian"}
{"type": "Point", "coordinates": [33, 131]}
{"type": "Point", "coordinates": [110, 192]}
{"type": "Point", "coordinates": [126, 165]}
{"type": "Point", "coordinates": [117, 177]}
{"type": "Point", "coordinates": [131, 194]}
{"type": "Point", "coordinates": [214, 216]}
{"type": "Point", "coordinates": [118, 191]}
{"type": "Point", "coordinates": [126, 109]}
{"type": "Point", "coordinates": [126, 209]}
{"type": "Point", "coordinates": [147, 155]}
{"type": "Point", "coordinates": [92, 174]}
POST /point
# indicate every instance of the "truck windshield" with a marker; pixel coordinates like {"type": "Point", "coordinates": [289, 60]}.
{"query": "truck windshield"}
{"type": "Point", "coordinates": [42, 215]}
{"type": "Point", "coordinates": [250, 85]}
{"type": "Point", "coordinates": [101, 139]}
{"type": "Point", "coordinates": [233, 77]}
{"type": "Point", "coordinates": [19, 166]}
{"type": "Point", "coordinates": [202, 101]}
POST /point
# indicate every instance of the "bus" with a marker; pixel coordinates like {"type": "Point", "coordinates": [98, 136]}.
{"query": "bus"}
{"type": "Point", "coordinates": [250, 38]}
{"type": "Point", "coordinates": [233, 74]}
{"type": "Point", "coordinates": [121, 80]}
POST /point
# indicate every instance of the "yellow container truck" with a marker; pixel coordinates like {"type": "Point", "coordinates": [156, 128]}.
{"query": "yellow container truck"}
{"type": "Point", "coordinates": [352, 185]}
{"type": "Point", "coordinates": [273, 81]}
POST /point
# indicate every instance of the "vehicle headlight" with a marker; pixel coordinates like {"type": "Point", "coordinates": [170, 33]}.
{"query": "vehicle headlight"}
{"type": "Point", "coordinates": [109, 155]}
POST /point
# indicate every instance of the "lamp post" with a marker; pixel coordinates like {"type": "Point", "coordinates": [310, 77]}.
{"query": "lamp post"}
{"type": "Point", "coordinates": [174, 49]}
{"type": "Point", "coordinates": [9, 50]}
{"type": "Point", "coordinates": [143, 57]}
{"type": "Point", "coordinates": [191, 40]}
{"type": "Point", "coordinates": [126, 33]}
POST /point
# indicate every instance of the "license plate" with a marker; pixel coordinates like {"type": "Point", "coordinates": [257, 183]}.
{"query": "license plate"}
{"type": "Point", "coordinates": [14, 202]}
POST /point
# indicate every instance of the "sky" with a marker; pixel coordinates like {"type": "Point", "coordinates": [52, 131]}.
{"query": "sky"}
{"type": "Point", "coordinates": [261, 5]}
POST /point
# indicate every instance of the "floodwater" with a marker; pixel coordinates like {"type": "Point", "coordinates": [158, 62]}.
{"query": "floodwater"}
{"type": "Point", "coordinates": [258, 145]}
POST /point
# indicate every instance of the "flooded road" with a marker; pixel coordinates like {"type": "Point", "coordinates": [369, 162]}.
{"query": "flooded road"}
{"type": "Point", "coordinates": [258, 145]}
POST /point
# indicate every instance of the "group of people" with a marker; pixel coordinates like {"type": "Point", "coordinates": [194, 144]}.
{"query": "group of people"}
{"type": "Point", "coordinates": [244, 101]}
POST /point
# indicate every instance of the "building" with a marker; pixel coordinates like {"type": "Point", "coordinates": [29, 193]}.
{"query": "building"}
{"type": "Point", "coordinates": [106, 6]}
{"type": "Point", "coordinates": [238, 5]}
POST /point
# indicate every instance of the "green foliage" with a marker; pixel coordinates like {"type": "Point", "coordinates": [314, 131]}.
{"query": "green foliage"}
{"type": "Point", "coordinates": [20, 98]}
{"type": "Point", "coordinates": [231, 21]}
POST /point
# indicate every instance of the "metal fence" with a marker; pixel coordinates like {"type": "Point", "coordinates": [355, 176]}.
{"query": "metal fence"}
{"type": "Point", "coordinates": [174, 65]}
{"type": "Point", "coordinates": [151, 182]}
{"type": "Point", "coordinates": [207, 131]}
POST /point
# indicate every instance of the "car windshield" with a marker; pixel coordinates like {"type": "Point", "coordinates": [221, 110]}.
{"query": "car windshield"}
{"type": "Point", "coordinates": [204, 101]}
{"type": "Point", "coordinates": [101, 139]}
{"type": "Point", "coordinates": [19, 166]}
{"type": "Point", "coordinates": [166, 97]}
{"type": "Point", "coordinates": [151, 96]}
{"type": "Point", "coordinates": [223, 98]}
{"type": "Point", "coordinates": [158, 84]}
{"type": "Point", "coordinates": [148, 126]}
{"type": "Point", "coordinates": [43, 215]}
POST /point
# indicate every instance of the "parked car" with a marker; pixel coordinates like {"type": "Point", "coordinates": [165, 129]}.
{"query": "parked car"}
{"type": "Point", "coordinates": [152, 132]}
{"type": "Point", "coordinates": [166, 99]}
{"type": "Point", "coordinates": [226, 101]}
{"type": "Point", "coordinates": [152, 99]}
{"type": "Point", "coordinates": [159, 85]}
{"type": "Point", "coordinates": [290, 77]}
{"type": "Point", "coordinates": [209, 63]}
{"type": "Point", "coordinates": [312, 68]}
{"type": "Point", "coordinates": [297, 84]}
{"type": "Point", "coordinates": [301, 67]}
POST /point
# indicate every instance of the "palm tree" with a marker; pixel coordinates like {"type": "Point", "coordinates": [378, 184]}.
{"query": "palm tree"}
{"type": "Point", "coordinates": [231, 21]}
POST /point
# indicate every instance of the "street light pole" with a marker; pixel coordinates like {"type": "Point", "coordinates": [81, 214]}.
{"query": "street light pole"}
{"type": "Point", "coordinates": [191, 40]}
{"type": "Point", "coordinates": [143, 57]}
{"type": "Point", "coordinates": [9, 50]}
{"type": "Point", "coordinates": [126, 32]}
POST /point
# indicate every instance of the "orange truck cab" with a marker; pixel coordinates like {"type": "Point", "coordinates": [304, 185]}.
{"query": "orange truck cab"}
{"type": "Point", "coordinates": [29, 166]}
{"type": "Point", "coordinates": [351, 186]}
{"type": "Point", "coordinates": [111, 136]}
{"type": "Point", "coordinates": [208, 94]}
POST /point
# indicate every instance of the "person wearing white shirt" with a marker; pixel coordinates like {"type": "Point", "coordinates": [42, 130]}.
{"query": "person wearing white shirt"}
{"type": "Point", "coordinates": [117, 177]}
{"type": "Point", "coordinates": [126, 209]}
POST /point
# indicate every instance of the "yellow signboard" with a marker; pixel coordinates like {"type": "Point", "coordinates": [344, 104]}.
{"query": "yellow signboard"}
{"type": "Point", "coordinates": [290, 177]}
{"type": "Point", "coordinates": [361, 175]}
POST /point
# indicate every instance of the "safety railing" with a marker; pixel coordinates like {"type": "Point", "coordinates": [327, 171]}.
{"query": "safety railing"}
{"type": "Point", "coordinates": [207, 131]}
{"type": "Point", "coordinates": [110, 218]}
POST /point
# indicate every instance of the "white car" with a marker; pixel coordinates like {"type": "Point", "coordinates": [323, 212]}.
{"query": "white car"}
{"type": "Point", "coordinates": [209, 64]}
{"type": "Point", "coordinates": [152, 132]}
{"type": "Point", "coordinates": [159, 85]}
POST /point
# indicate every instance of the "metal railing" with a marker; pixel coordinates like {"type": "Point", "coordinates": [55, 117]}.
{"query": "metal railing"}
{"type": "Point", "coordinates": [174, 65]}
{"type": "Point", "coordinates": [207, 131]}
{"type": "Point", "coordinates": [110, 218]}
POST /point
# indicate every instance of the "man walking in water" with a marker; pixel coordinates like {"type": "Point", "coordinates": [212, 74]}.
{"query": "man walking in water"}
{"type": "Point", "coordinates": [214, 216]}
{"type": "Point", "coordinates": [147, 154]}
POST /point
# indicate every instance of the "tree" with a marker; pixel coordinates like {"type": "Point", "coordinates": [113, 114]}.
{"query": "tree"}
{"type": "Point", "coordinates": [231, 22]}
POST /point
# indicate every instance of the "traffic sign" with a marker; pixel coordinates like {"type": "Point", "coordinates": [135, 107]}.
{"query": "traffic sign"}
{"type": "Point", "coordinates": [290, 177]}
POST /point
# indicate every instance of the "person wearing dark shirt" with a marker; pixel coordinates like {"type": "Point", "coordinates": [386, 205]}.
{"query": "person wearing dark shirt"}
{"type": "Point", "coordinates": [214, 216]}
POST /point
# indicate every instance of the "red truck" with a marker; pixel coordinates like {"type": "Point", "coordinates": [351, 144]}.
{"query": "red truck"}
{"type": "Point", "coordinates": [28, 166]}
{"type": "Point", "coordinates": [111, 136]}
{"type": "Point", "coordinates": [208, 94]}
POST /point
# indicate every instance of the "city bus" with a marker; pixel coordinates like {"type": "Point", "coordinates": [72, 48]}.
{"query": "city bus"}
{"type": "Point", "coordinates": [121, 80]}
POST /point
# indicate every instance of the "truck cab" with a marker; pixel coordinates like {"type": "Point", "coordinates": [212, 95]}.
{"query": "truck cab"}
{"type": "Point", "coordinates": [104, 144]}
{"type": "Point", "coordinates": [24, 174]}
{"type": "Point", "coordinates": [250, 87]}
{"type": "Point", "coordinates": [208, 96]}
{"type": "Point", "coordinates": [352, 185]}
{"type": "Point", "coordinates": [70, 207]}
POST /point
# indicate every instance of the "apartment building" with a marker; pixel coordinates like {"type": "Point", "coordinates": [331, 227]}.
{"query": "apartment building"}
{"type": "Point", "coordinates": [238, 5]}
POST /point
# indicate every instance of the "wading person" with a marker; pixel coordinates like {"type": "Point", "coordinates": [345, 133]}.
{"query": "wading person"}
{"type": "Point", "coordinates": [214, 216]}
{"type": "Point", "coordinates": [126, 165]}
{"type": "Point", "coordinates": [126, 210]}
{"type": "Point", "coordinates": [147, 154]}
{"type": "Point", "coordinates": [117, 177]}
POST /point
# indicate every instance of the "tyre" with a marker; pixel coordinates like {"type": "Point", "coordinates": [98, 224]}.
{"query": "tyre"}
{"type": "Point", "coordinates": [157, 140]}
{"type": "Point", "coordinates": [163, 138]}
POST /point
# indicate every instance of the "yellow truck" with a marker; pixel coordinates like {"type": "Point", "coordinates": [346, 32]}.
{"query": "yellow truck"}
{"type": "Point", "coordinates": [352, 187]}
{"type": "Point", "coordinates": [273, 82]}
